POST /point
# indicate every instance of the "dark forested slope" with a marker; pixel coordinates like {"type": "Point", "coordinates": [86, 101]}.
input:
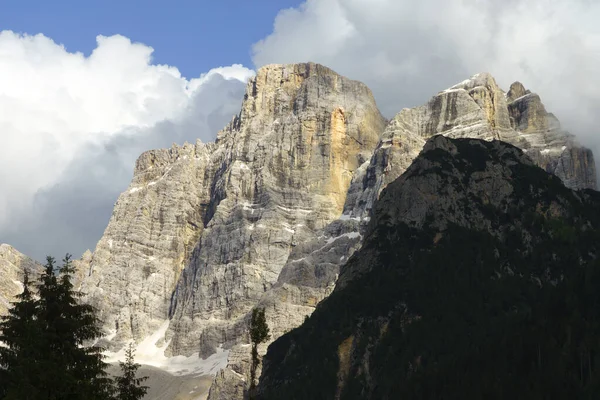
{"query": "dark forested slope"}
{"type": "Point", "coordinates": [479, 278]}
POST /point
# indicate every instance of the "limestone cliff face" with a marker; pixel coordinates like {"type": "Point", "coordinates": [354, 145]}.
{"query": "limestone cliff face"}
{"type": "Point", "coordinates": [474, 108]}
{"type": "Point", "coordinates": [286, 164]}
{"type": "Point", "coordinates": [269, 213]}
{"type": "Point", "coordinates": [229, 213]}
{"type": "Point", "coordinates": [478, 108]}
{"type": "Point", "coordinates": [547, 143]}
{"type": "Point", "coordinates": [472, 245]}
{"type": "Point", "coordinates": [155, 225]}
{"type": "Point", "coordinates": [12, 266]}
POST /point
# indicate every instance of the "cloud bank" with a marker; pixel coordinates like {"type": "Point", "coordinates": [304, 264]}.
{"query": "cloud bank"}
{"type": "Point", "coordinates": [407, 51]}
{"type": "Point", "coordinates": [72, 126]}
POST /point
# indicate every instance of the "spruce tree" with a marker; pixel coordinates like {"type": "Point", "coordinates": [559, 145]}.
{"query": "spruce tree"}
{"type": "Point", "coordinates": [128, 386]}
{"type": "Point", "coordinates": [20, 334]}
{"type": "Point", "coordinates": [74, 369]}
{"type": "Point", "coordinates": [259, 333]}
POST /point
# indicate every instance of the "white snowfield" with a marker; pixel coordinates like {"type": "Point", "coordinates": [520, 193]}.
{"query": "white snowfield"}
{"type": "Point", "coordinates": [149, 353]}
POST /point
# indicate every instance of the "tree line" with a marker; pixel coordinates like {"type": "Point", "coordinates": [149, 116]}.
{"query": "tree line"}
{"type": "Point", "coordinates": [47, 345]}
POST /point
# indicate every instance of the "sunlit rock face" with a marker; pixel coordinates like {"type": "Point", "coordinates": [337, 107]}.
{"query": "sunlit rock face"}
{"type": "Point", "coordinates": [229, 213]}
{"type": "Point", "coordinates": [474, 108]}
{"type": "Point", "coordinates": [550, 146]}
{"type": "Point", "coordinates": [13, 265]}
{"type": "Point", "coordinates": [155, 224]}
{"type": "Point", "coordinates": [285, 166]}
{"type": "Point", "coordinates": [468, 218]}
{"type": "Point", "coordinates": [269, 212]}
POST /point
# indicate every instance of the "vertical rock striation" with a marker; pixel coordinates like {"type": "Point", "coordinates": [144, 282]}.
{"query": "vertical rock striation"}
{"type": "Point", "coordinates": [474, 108]}
{"type": "Point", "coordinates": [286, 163]}
{"type": "Point", "coordinates": [268, 213]}
{"type": "Point", "coordinates": [473, 245]}
{"type": "Point", "coordinates": [13, 264]}
{"type": "Point", "coordinates": [228, 213]}
{"type": "Point", "coordinates": [547, 143]}
{"type": "Point", "coordinates": [153, 229]}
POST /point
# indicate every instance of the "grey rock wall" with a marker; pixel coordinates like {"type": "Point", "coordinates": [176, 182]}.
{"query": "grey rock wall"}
{"type": "Point", "coordinates": [13, 264]}
{"type": "Point", "coordinates": [269, 213]}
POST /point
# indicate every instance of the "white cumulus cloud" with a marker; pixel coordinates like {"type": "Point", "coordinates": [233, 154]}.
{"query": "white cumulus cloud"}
{"type": "Point", "coordinates": [75, 124]}
{"type": "Point", "coordinates": [407, 51]}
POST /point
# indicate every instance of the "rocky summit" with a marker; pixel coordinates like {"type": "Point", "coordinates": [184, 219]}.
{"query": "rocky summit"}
{"type": "Point", "coordinates": [268, 213]}
{"type": "Point", "coordinates": [13, 265]}
{"type": "Point", "coordinates": [204, 230]}
{"type": "Point", "coordinates": [477, 278]}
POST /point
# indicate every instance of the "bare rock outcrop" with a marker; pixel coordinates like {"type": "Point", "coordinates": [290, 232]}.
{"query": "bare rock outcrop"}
{"type": "Point", "coordinates": [153, 229]}
{"type": "Point", "coordinates": [13, 264]}
{"type": "Point", "coordinates": [269, 213]}
{"type": "Point", "coordinates": [286, 163]}
{"type": "Point", "coordinates": [474, 108]}
{"type": "Point", "coordinates": [229, 213]}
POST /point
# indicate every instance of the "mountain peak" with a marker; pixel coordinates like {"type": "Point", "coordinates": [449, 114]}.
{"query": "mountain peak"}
{"type": "Point", "coordinates": [269, 213]}
{"type": "Point", "coordinates": [484, 79]}
{"type": "Point", "coordinates": [475, 245]}
{"type": "Point", "coordinates": [517, 90]}
{"type": "Point", "coordinates": [277, 89]}
{"type": "Point", "coordinates": [6, 250]}
{"type": "Point", "coordinates": [12, 266]}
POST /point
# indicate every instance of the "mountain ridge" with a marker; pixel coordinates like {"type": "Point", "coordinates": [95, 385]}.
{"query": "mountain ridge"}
{"type": "Point", "coordinates": [13, 265]}
{"type": "Point", "coordinates": [474, 265]}
{"type": "Point", "coordinates": [269, 212]}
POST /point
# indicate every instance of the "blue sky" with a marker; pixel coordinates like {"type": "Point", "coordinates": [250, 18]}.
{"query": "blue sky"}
{"type": "Point", "coordinates": [194, 36]}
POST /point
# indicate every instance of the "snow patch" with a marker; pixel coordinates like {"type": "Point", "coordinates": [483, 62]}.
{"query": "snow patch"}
{"type": "Point", "coordinates": [522, 97]}
{"type": "Point", "coordinates": [20, 285]}
{"type": "Point", "coordinates": [453, 90]}
{"type": "Point", "coordinates": [347, 217]}
{"type": "Point", "coordinates": [111, 335]}
{"type": "Point", "coordinates": [288, 228]}
{"type": "Point", "coordinates": [148, 352]}
{"type": "Point", "coordinates": [466, 81]}
{"type": "Point", "coordinates": [135, 189]}
{"type": "Point", "coordinates": [248, 207]}
{"type": "Point", "coordinates": [351, 235]}
{"type": "Point", "coordinates": [302, 210]}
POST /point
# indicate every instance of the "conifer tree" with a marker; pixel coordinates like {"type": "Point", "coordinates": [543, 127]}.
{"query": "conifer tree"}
{"type": "Point", "coordinates": [73, 368]}
{"type": "Point", "coordinates": [128, 385]}
{"type": "Point", "coordinates": [259, 333]}
{"type": "Point", "coordinates": [20, 333]}
{"type": "Point", "coordinates": [48, 352]}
